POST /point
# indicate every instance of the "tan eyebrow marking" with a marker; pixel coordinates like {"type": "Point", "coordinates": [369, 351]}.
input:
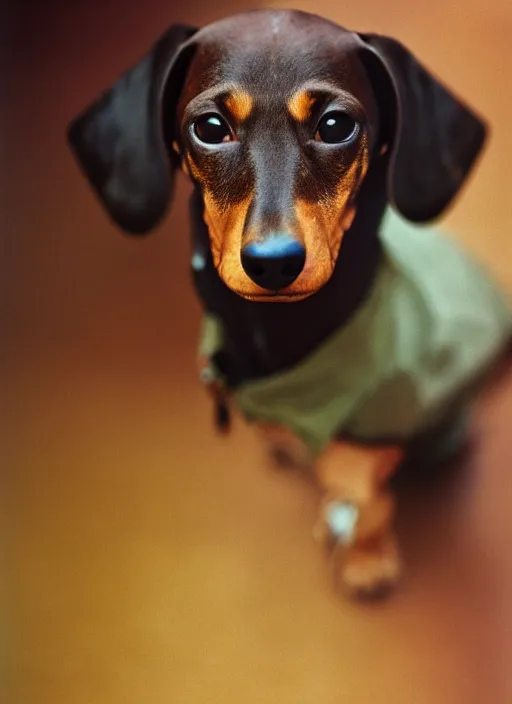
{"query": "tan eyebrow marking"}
{"type": "Point", "coordinates": [239, 104]}
{"type": "Point", "coordinates": [300, 105]}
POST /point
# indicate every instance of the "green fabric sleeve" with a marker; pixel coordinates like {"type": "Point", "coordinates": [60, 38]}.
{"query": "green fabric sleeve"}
{"type": "Point", "coordinates": [211, 338]}
{"type": "Point", "coordinates": [211, 341]}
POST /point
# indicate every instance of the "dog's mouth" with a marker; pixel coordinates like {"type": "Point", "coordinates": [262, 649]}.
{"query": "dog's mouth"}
{"type": "Point", "coordinates": [277, 297]}
{"type": "Point", "coordinates": [309, 282]}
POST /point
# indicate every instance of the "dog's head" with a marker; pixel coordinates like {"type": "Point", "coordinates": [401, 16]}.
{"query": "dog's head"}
{"type": "Point", "coordinates": [277, 117]}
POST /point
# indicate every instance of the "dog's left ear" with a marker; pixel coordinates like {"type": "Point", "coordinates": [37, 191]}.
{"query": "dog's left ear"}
{"type": "Point", "coordinates": [119, 140]}
{"type": "Point", "coordinates": [433, 136]}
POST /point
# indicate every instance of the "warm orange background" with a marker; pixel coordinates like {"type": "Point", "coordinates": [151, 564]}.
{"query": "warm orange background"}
{"type": "Point", "coordinates": [148, 560]}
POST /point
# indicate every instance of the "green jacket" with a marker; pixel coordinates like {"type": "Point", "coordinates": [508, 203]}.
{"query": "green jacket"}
{"type": "Point", "coordinates": [425, 336]}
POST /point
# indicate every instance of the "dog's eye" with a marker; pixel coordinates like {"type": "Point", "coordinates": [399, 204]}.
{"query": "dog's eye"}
{"type": "Point", "coordinates": [212, 129]}
{"type": "Point", "coordinates": [335, 128]}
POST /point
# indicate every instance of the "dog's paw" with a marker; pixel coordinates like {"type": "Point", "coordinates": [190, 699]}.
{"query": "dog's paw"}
{"type": "Point", "coordinates": [337, 522]}
{"type": "Point", "coordinates": [370, 572]}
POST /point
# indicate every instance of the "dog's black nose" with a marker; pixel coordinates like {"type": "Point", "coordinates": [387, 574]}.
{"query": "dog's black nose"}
{"type": "Point", "coordinates": [274, 263]}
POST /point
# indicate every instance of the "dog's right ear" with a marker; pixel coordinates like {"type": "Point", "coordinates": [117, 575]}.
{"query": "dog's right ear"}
{"type": "Point", "coordinates": [119, 140]}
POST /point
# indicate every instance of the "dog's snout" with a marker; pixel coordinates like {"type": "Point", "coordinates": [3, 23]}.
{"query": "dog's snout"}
{"type": "Point", "coordinates": [274, 263]}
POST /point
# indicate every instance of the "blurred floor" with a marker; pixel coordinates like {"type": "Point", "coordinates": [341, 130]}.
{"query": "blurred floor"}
{"type": "Point", "coordinates": [149, 561]}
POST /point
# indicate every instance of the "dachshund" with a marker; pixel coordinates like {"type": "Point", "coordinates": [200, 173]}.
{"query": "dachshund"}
{"type": "Point", "coordinates": [337, 319]}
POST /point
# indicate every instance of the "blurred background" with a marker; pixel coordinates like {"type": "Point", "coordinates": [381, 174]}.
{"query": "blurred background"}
{"type": "Point", "coordinates": [148, 560]}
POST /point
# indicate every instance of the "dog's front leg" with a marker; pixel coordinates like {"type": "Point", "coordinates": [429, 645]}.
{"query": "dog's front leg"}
{"type": "Point", "coordinates": [356, 516]}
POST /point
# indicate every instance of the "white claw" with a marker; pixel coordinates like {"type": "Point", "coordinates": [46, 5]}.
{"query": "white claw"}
{"type": "Point", "coordinates": [341, 519]}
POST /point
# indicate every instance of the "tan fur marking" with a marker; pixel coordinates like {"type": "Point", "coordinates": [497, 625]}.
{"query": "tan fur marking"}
{"type": "Point", "coordinates": [371, 571]}
{"type": "Point", "coordinates": [183, 163]}
{"type": "Point", "coordinates": [323, 224]}
{"type": "Point", "coordinates": [225, 227]}
{"type": "Point", "coordinates": [355, 472]}
{"type": "Point", "coordinates": [189, 167]}
{"type": "Point", "coordinates": [300, 104]}
{"type": "Point", "coordinates": [239, 104]}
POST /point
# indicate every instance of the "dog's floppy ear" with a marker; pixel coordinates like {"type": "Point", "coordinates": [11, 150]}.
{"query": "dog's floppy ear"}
{"type": "Point", "coordinates": [433, 136]}
{"type": "Point", "coordinates": [119, 142]}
